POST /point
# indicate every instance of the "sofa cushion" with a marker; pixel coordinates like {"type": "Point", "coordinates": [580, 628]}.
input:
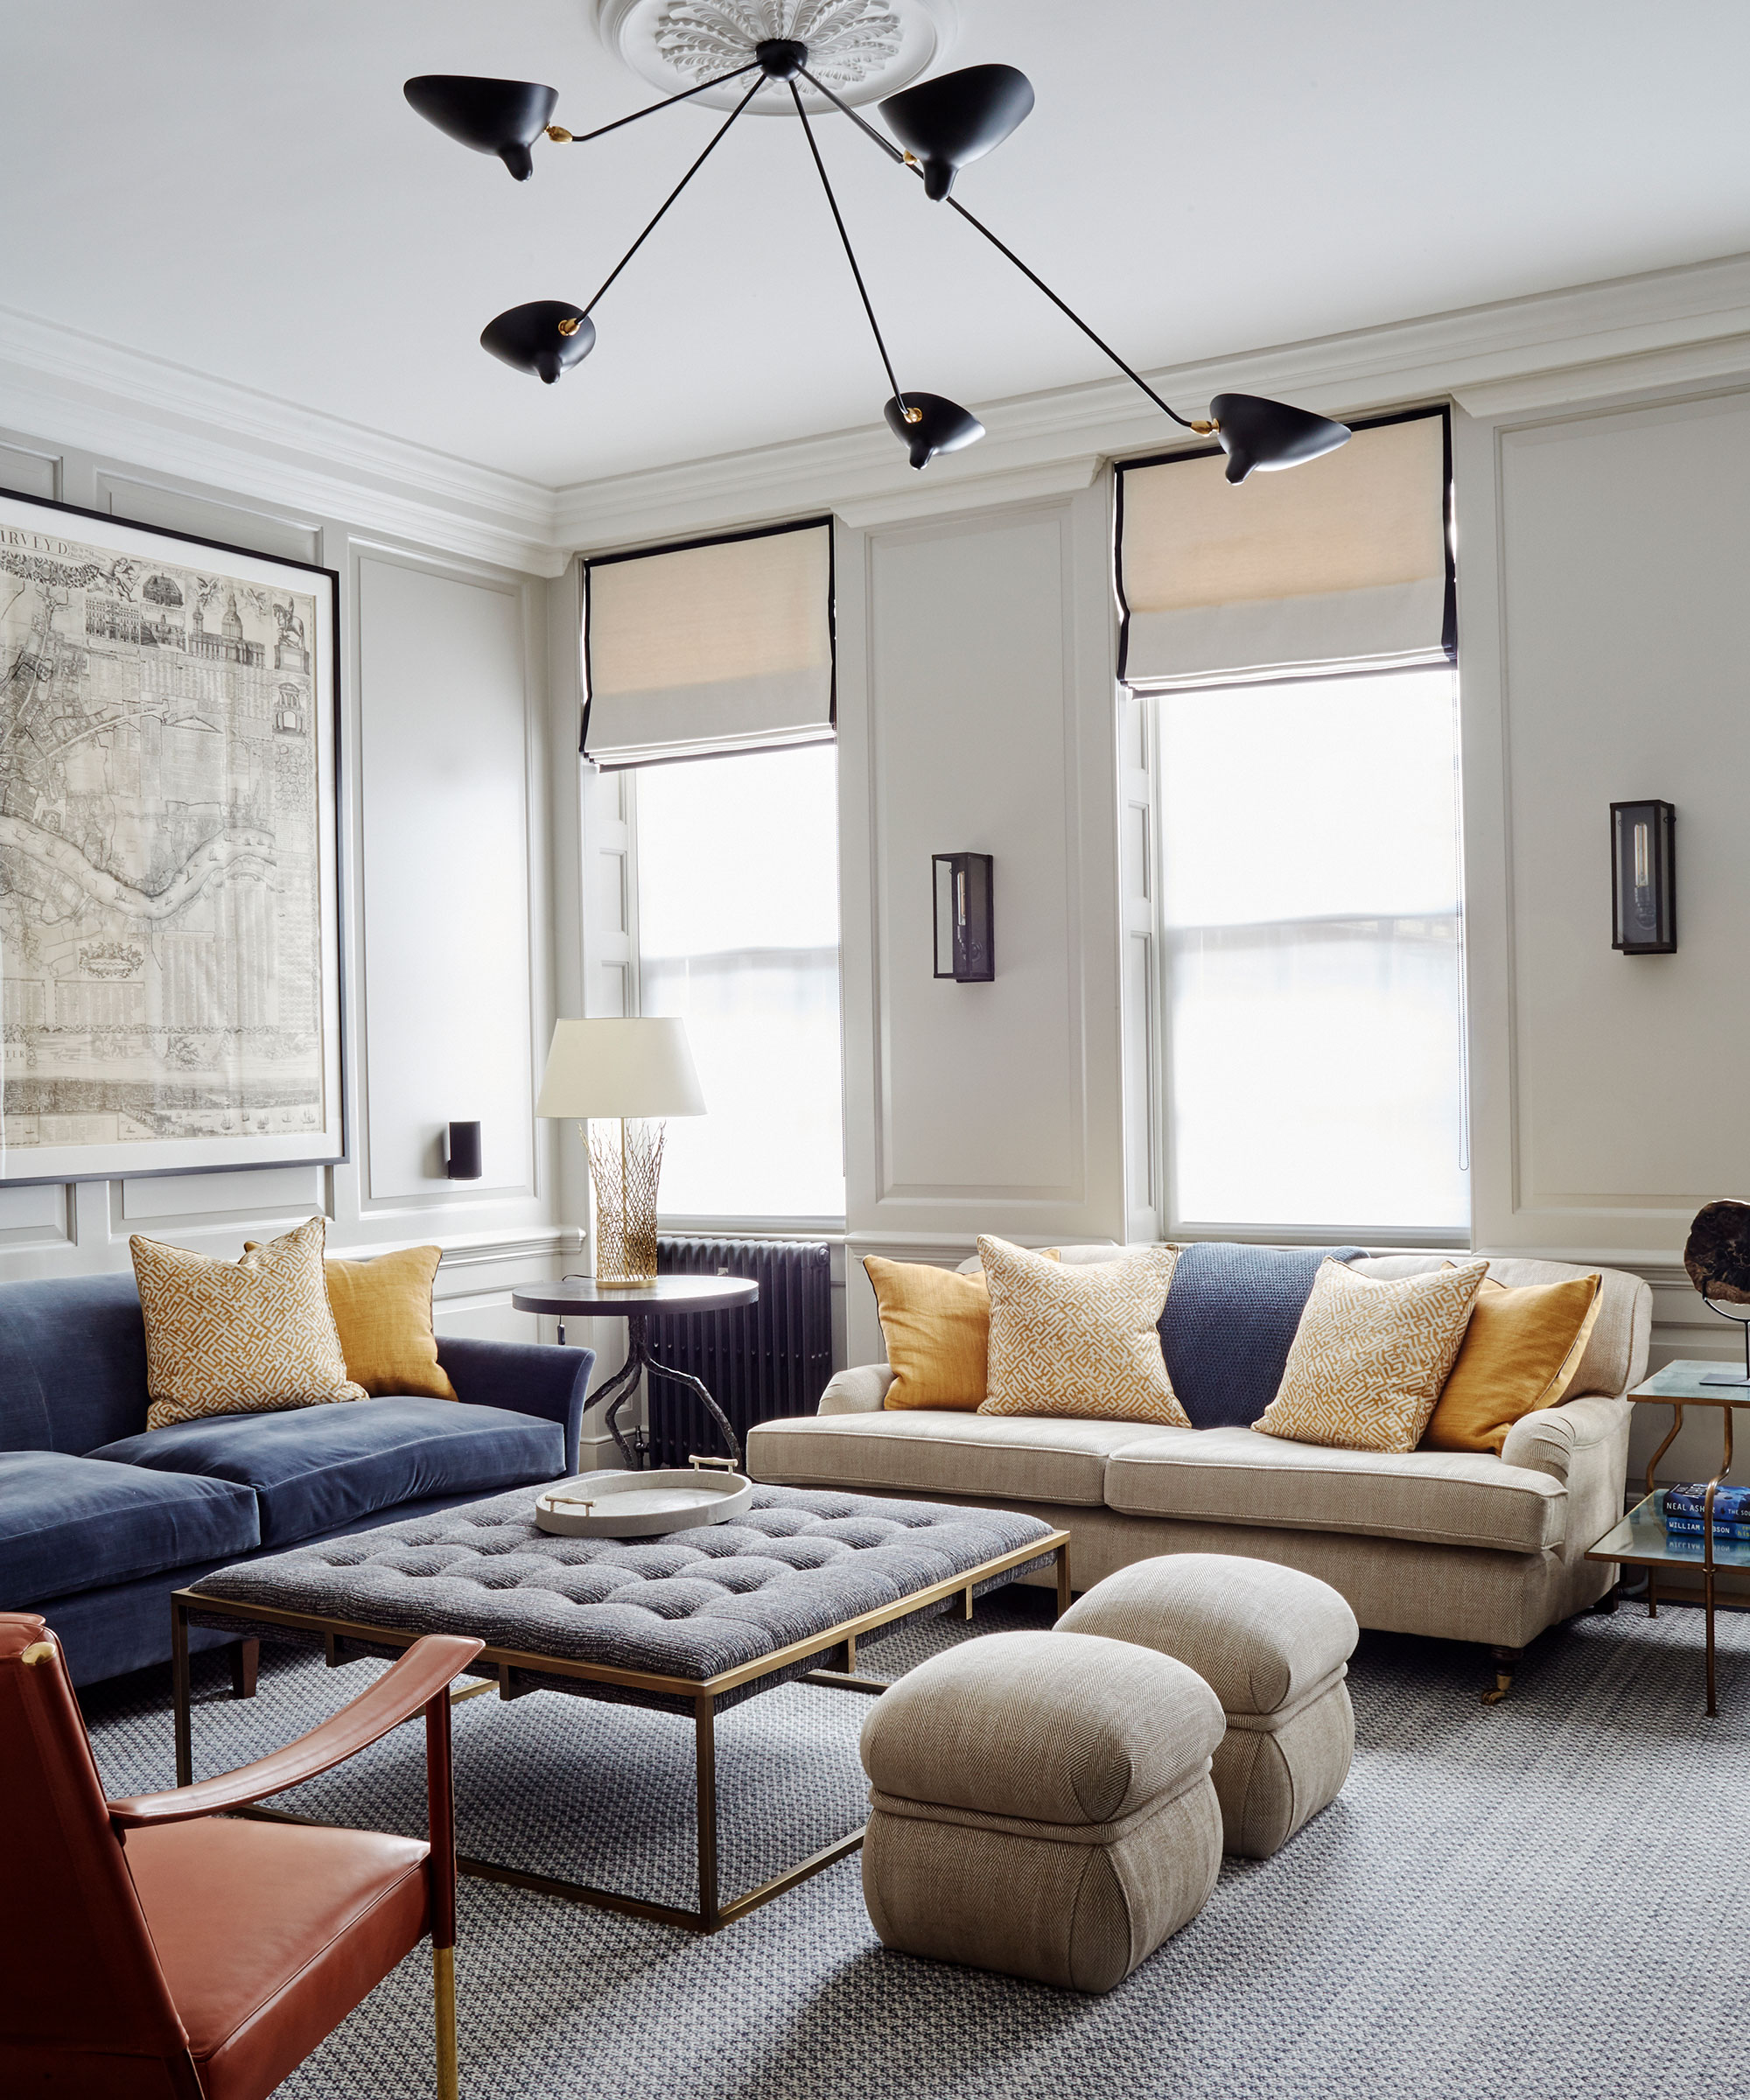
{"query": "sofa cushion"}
{"type": "Point", "coordinates": [70, 1523]}
{"type": "Point", "coordinates": [314, 1468]}
{"type": "Point", "coordinates": [1035, 1458]}
{"type": "Point", "coordinates": [1229, 1323]}
{"type": "Point", "coordinates": [1370, 1358]}
{"type": "Point", "coordinates": [72, 1362]}
{"type": "Point", "coordinates": [243, 1337]}
{"type": "Point", "coordinates": [1444, 1497]}
{"type": "Point", "coordinates": [1079, 1341]}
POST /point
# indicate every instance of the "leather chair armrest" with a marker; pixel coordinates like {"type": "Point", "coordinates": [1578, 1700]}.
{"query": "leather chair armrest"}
{"type": "Point", "coordinates": [859, 1391]}
{"type": "Point", "coordinates": [425, 1673]}
{"type": "Point", "coordinates": [527, 1377]}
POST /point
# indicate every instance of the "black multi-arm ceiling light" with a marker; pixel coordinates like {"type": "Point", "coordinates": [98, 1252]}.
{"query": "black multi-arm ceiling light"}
{"type": "Point", "coordinates": [941, 124]}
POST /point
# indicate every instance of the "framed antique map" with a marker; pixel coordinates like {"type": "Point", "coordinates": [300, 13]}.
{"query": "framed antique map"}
{"type": "Point", "coordinates": [170, 910]}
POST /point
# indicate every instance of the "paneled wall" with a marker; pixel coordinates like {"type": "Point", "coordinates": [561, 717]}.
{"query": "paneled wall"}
{"type": "Point", "coordinates": [1606, 658]}
{"type": "Point", "coordinates": [453, 821]}
{"type": "Point", "coordinates": [976, 713]}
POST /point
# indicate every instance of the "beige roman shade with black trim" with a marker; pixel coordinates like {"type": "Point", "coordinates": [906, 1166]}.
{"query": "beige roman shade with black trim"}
{"type": "Point", "coordinates": [1343, 564]}
{"type": "Point", "coordinates": [721, 645]}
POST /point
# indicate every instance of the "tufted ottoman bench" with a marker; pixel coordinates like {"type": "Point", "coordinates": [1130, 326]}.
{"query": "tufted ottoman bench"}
{"type": "Point", "coordinates": [1040, 1804]}
{"type": "Point", "coordinates": [1274, 1645]}
{"type": "Point", "coordinates": [690, 1624]}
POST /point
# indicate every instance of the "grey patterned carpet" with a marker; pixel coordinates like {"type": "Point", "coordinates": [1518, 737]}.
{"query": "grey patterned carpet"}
{"type": "Point", "coordinates": [1543, 1901]}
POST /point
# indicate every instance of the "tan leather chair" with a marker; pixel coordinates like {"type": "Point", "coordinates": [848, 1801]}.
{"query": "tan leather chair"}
{"type": "Point", "coordinates": [159, 1949]}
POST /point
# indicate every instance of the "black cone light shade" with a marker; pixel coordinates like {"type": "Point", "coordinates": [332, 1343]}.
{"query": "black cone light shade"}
{"type": "Point", "coordinates": [529, 338]}
{"type": "Point", "coordinates": [957, 118]}
{"type": "Point", "coordinates": [943, 426]}
{"type": "Point", "coordinates": [1256, 432]}
{"type": "Point", "coordinates": [505, 117]}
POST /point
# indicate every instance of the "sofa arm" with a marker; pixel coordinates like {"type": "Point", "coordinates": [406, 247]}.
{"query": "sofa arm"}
{"type": "Point", "coordinates": [524, 1377]}
{"type": "Point", "coordinates": [1584, 1445]}
{"type": "Point", "coordinates": [860, 1392]}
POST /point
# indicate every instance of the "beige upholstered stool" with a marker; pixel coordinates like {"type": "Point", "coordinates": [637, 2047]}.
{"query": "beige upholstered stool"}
{"type": "Point", "coordinates": [1274, 1645]}
{"type": "Point", "coordinates": [1040, 1804]}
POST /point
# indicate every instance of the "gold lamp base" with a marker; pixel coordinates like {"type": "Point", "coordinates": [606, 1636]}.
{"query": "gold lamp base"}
{"type": "Point", "coordinates": [625, 1162]}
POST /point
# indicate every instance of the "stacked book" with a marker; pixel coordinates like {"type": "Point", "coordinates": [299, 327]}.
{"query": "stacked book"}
{"type": "Point", "coordinates": [1685, 1513]}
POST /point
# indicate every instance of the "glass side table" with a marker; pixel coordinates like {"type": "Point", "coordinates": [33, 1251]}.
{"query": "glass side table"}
{"type": "Point", "coordinates": [1641, 1541]}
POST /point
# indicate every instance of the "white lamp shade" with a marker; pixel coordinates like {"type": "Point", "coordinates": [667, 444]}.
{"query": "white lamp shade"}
{"type": "Point", "coordinates": [642, 1070]}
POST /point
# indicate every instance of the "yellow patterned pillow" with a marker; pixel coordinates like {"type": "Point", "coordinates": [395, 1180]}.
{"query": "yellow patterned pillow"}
{"type": "Point", "coordinates": [1369, 1358]}
{"type": "Point", "coordinates": [1079, 1338]}
{"type": "Point", "coordinates": [239, 1338]}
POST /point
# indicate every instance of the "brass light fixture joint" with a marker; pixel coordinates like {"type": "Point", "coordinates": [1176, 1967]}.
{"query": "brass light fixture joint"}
{"type": "Point", "coordinates": [914, 414]}
{"type": "Point", "coordinates": [910, 159]}
{"type": "Point", "coordinates": [569, 326]}
{"type": "Point", "coordinates": [559, 135]}
{"type": "Point", "coordinates": [1204, 427]}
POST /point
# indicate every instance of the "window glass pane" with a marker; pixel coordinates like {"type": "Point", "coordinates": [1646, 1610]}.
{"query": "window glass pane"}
{"type": "Point", "coordinates": [1313, 950]}
{"type": "Point", "coordinates": [737, 932]}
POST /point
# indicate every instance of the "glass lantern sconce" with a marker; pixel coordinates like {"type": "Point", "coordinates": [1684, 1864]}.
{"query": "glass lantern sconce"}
{"type": "Point", "coordinates": [965, 942]}
{"type": "Point", "coordinates": [1643, 890]}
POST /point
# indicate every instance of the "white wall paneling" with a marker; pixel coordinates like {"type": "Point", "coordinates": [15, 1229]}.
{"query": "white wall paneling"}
{"type": "Point", "coordinates": [445, 878]}
{"type": "Point", "coordinates": [976, 712]}
{"type": "Point", "coordinates": [449, 882]}
{"type": "Point", "coordinates": [1622, 543]}
{"type": "Point", "coordinates": [27, 472]}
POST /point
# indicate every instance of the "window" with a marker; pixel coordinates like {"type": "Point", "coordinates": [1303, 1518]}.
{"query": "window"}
{"type": "Point", "coordinates": [1310, 930]}
{"type": "Point", "coordinates": [737, 882]}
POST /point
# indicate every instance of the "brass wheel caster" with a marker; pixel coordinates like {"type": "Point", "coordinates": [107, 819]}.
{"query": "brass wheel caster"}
{"type": "Point", "coordinates": [1503, 1684]}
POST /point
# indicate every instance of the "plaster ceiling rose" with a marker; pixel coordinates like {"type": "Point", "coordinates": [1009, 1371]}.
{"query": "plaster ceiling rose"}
{"type": "Point", "coordinates": [861, 49]}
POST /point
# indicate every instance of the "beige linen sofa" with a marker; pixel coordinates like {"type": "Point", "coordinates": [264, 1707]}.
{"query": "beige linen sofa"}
{"type": "Point", "coordinates": [1464, 1545]}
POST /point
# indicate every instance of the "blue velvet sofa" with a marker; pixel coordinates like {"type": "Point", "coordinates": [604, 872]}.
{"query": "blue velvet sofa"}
{"type": "Point", "coordinates": [101, 1518]}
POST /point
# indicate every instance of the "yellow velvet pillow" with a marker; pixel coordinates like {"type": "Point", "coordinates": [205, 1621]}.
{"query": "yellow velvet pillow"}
{"type": "Point", "coordinates": [382, 1309]}
{"type": "Point", "coordinates": [936, 1325]}
{"type": "Point", "coordinates": [1521, 1351]}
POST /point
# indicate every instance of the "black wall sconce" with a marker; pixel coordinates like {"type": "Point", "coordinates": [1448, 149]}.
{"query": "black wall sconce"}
{"type": "Point", "coordinates": [1643, 882]}
{"type": "Point", "coordinates": [965, 934]}
{"type": "Point", "coordinates": [462, 1153]}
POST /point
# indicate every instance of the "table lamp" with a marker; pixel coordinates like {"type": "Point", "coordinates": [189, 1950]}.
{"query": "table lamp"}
{"type": "Point", "coordinates": [632, 1074]}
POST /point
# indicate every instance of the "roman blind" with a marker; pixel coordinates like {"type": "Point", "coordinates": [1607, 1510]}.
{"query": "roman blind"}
{"type": "Point", "coordinates": [721, 645]}
{"type": "Point", "coordinates": [1343, 564]}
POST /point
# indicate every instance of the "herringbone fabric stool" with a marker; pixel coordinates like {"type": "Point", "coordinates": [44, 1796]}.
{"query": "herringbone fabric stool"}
{"type": "Point", "coordinates": [1040, 1804]}
{"type": "Point", "coordinates": [1274, 1645]}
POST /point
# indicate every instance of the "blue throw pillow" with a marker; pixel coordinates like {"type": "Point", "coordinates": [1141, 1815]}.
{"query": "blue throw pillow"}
{"type": "Point", "coordinates": [1228, 1322]}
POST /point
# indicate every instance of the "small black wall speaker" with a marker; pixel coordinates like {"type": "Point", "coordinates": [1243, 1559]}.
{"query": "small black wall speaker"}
{"type": "Point", "coordinates": [463, 1152]}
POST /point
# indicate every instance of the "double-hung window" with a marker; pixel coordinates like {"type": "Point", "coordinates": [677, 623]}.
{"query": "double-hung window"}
{"type": "Point", "coordinates": [1292, 650]}
{"type": "Point", "coordinates": [711, 834]}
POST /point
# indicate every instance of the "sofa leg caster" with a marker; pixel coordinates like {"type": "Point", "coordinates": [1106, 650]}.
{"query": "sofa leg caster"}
{"type": "Point", "coordinates": [245, 1661]}
{"type": "Point", "coordinates": [1506, 1661]}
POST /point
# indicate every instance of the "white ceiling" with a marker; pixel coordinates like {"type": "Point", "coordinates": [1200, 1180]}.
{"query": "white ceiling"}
{"type": "Point", "coordinates": [240, 189]}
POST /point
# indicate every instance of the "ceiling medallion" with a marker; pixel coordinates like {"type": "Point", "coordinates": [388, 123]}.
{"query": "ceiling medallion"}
{"type": "Point", "coordinates": [861, 49]}
{"type": "Point", "coordinates": [933, 131]}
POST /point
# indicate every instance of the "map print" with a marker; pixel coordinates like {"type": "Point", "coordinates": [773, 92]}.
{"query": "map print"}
{"type": "Point", "coordinates": [159, 911]}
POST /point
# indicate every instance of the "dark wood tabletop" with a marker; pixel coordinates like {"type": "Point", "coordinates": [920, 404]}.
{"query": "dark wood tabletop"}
{"type": "Point", "coordinates": [581, 1297]}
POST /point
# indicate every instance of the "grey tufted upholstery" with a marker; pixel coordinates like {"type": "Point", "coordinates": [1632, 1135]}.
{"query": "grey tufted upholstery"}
{"type": "Point", "coordinates": [799, 1562]}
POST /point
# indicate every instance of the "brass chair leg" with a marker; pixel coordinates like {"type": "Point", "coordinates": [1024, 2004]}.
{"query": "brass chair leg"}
{"type": "Point", "coordinates": [1506, 1661]}
{"type": "Point", "coordinates": [443, 1992]}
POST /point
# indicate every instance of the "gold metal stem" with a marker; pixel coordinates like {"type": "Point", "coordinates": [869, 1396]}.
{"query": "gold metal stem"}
{"type": "Point", "coordinates": [623, 1173]}
{"type": "Point", "coordinates": [443, 1991]}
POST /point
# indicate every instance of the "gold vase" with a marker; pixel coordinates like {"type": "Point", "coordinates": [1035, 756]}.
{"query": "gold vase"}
{"type": "Point", "coordinates": [626, 1161]}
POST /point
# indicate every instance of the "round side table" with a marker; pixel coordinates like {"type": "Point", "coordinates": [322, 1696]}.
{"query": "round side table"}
{"type": "Point", "coordinates": [582, 1298]}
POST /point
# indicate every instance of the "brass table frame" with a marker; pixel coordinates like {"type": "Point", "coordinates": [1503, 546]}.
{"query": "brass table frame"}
{"type": "Point", "coordinates": [346, 1640]}
{"type": "Point", "coordinates": [1726, 1398]}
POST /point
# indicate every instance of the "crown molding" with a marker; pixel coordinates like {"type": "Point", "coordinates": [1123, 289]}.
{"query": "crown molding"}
{"type": "Point", "coordinates": [1663, 330]}
{"type": "Point", "coordinates": [96, 396]}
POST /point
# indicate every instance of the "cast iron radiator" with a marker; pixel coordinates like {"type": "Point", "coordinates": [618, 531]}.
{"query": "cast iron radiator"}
{"type": "Point", "coordinates": [759, 1361]}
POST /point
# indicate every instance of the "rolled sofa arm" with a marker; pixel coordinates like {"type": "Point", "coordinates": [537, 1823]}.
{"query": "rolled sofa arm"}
{"type": "Point", "coordinates": [860, 1392]}
{"type": "Point", "coordinates": [1584, 1445]}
